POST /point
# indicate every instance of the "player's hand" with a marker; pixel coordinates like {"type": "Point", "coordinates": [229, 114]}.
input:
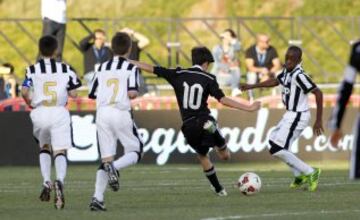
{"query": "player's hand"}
{"type": "Point", "coordinates": [255, 106]}
{"type": "Point", "coordinates": [335, 137]}
{"type": "Point", "coordinates": [318, 128]}
{"type": "Point", "coordinates": [244, 87]}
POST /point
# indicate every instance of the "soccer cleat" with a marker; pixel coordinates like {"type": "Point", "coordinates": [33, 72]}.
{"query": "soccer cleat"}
{"type": "Point", "coordinates": [222, 193]}
{"type": "Point", "coordinates": [298, 182]}
{"type": "Point", "coordinates": [113, 176]}
{"type": "Point", "coordinates": [45, 193]}
{"type": "Point", "coordinates": [96, 205]}
{"type": "Point", "coordinates": [313, 179]}
{"type": "Point", "coordinates": [59, 200]}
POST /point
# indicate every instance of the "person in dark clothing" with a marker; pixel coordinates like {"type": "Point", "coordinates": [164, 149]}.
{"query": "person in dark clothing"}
{"type": "Point", "coordinates": [192, 87]}
{"type": "Point", "coordinates": [262, 61]}
{"type": "Point", "coordinates": [95, 52]}
{"type": "Point", "coordinates": [344, 93]}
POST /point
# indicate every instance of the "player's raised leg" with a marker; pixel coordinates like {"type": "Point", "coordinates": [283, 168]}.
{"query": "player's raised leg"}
{"type": "Point", "coordinates": [130, 139]}
{"type": "Point", "coordinates": [308, 174]}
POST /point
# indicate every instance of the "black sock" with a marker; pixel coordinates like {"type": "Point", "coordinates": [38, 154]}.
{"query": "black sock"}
{"type": "Point", "coordinates": [211, 175]}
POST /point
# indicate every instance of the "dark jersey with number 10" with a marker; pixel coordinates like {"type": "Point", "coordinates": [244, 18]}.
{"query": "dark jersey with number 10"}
{"type": "Point", "coordinates": [192, 88]}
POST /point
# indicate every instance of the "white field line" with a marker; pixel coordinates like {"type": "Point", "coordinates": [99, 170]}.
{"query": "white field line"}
{"type": "Point", "coordinates": [267, 215]}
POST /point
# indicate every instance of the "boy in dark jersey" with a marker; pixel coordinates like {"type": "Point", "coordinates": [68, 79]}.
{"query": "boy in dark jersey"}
{"type": "Point", "coordinates": [192, 87]}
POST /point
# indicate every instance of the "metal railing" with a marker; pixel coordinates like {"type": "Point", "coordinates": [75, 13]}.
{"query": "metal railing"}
{"type": "Point", "coordinates": [325, 40]}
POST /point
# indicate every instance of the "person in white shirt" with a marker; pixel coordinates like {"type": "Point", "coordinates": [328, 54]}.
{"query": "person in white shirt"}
{"type": "Point", "coordinates": [45, 89]}
{"type": "Point", "coordinates": [115, 83]}
{"type": "Point", "coordinates": [53, 14]}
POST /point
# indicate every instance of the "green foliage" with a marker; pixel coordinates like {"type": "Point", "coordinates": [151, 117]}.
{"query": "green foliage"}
{"type": "Point", "coordinates": [152, 18]}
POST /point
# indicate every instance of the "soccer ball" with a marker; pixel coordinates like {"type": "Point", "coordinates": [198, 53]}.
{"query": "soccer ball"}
{"type": "Point", "coordinates": [249, 183]}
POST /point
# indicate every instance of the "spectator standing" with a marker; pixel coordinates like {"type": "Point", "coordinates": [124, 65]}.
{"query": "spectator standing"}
{"type": "Point", "coordinates": [262, 61]}
{"type": "Point", "coordinates": [3, 71]}
{"type": "Point", "coordinates": [53, 13]}
{"type": "Point", "coordinates": [95, 52]}
{"type": "Point", "coordinates": [10, 82]}
{"type": "Point", "coordinates": [226, 61]}
{"type": "Point", "coordinates": [139, 42]}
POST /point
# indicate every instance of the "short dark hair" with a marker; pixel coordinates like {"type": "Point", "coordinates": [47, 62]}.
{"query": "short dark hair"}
{"type": "Point", "coordinates": [231, 31]}
{"type": "Point", "coordinates": [201, 55]}
{"type": "Point", "coordinates": [121, 43]}
{"type": "Point", "coordinates": [296, 50]}
{"type": "Point", "coordinates": [9, 65]}
{"type": "Point", "coordinates": [47, 45]}
{"type": "Point", "coordinates": [99, 30]}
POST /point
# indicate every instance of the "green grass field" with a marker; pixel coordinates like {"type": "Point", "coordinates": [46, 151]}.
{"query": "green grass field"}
{"type": "Point", "coordinates": [182, 192]}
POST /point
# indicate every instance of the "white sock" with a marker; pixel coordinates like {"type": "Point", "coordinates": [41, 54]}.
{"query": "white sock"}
{"type": "Point", "coordinates": [60, 166]}
{"type": "Point", "coordinates": [100, 184]}
{"type": "Point", "coordinates": [295, 171]}
{"type": "Point", "coordinates": [45, 165]}
{"type": "Point", "coordinates": [126, 160]}
{"type": "Point", "coordinates": [293, 161]}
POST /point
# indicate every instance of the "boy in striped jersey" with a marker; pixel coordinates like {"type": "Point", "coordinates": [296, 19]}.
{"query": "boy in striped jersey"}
{"type": "Point", "coordinates": [115, 83]}
{"type": "Point", "coordinates": [296, 85]}
{"type": "Point", "coordinates": [52, 82]}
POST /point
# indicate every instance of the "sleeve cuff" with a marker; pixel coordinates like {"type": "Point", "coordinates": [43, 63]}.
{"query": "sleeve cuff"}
{"type": "Point", "coordinates": [310, 89]}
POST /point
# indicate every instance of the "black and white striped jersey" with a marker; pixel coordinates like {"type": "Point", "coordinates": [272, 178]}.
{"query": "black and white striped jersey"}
{"type": "Point", "coordinates": [192, 88]}
{"type": "Point", "coordinates": [50, 81]}
{"type": "Point", "coordinates": [112, 81]}
{"type": "Point", "coordinates": [296, 85]}
{"type": "Point", "coordinates": [346, 87]}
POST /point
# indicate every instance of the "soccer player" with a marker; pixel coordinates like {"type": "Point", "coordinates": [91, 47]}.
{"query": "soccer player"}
{"type": "Point", "coordinates": [344, 94]}
{"type": "Point", "coordinates": [192, 88]}
{"type": "Point", "coordinates": [296, 86]}
{"type": "Point", "coordinates": [114, 84]}
{"type": "Point", "coordinates": [51, 83]}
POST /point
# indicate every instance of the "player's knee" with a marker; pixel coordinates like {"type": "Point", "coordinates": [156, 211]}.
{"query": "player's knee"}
{"type": "Point", "coordinates": [225, 156]}
{"type": "Point", "coordinates": [45, 151]}
{"type": "Point", "coordinates": [274, 148]}
{"type": "Point", "coordinates": [59, 153]}
{"type": "Point", "coordinates": [223, 152]}
{"type": "Point", "coordinates": [46, 147]}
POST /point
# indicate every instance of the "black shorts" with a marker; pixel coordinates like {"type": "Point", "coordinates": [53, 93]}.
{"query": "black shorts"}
{"type": "Point", "coordinates": [198, 138]}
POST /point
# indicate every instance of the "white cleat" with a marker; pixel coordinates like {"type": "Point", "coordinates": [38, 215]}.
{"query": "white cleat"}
{"type": "Point", "coordinates": [222, 193]}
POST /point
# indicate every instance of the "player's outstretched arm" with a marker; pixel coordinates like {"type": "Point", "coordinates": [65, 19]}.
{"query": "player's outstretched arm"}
{"type": "Point", "coordinates": [143, 66]}
{"type": "Point", "coordinates": [237, 105]}
{"type": "Point", "coordinates": [26, 95]}
{"type": "Point", "coordinates": [266, 84]}
{"type": "Point", "coordinates": [318, 127]}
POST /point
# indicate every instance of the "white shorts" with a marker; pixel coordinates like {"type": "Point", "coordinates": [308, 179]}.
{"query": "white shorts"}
{"type": "Point", "coordinates": [289, 128]}
{"type": "Point", "coordinates": [113, 124]}
{"type": "Point", "coordinates": [52, 125]}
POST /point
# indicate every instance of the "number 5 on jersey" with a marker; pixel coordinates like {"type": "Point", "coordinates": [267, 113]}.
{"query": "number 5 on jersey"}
{"type": "Point", "coordinates": [48, 92]}
{"type": "Point", "coordinates": [192, 96]}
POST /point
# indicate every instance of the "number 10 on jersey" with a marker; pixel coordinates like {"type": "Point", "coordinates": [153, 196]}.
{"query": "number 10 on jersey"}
{"type": "Point", "coordinates": [192, 96]}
